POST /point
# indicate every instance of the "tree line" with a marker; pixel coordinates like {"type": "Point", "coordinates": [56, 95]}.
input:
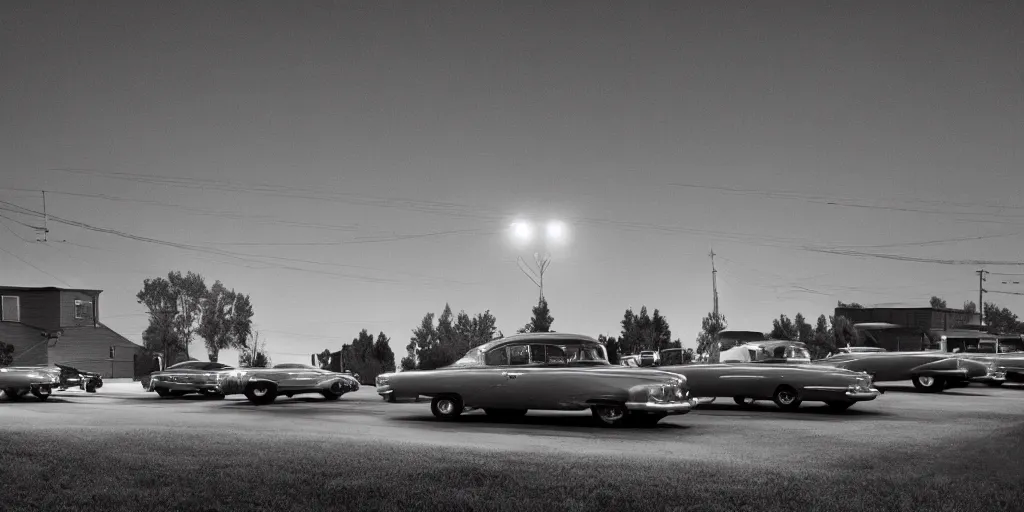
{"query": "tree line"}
{"type": "Point", "coordinates": [182, 308]}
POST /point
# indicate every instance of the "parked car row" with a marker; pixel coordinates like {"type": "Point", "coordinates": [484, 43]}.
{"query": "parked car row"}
{"type": "Point", "coordinates": [555, 371]}
{"type": "Point", "coordinates": [17, 382]}
{"type": "Point", "coordinates": [260, 386]}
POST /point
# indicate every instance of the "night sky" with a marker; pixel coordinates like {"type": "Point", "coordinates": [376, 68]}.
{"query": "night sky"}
{"type": "Point", "coordinates": [356, 164]}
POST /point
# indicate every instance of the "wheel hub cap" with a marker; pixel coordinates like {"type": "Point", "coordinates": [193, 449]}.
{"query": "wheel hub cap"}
{"type": "Point", "coordinates": [786, 398]}
{"type": "Point", "coordinates": [610, 413]}
{"type": "Point", "coordinates": [926, 381]}
{"type": "Point", "coordinates": [259, 392]}
{"type": "Point", "coordinates": [445, 406]}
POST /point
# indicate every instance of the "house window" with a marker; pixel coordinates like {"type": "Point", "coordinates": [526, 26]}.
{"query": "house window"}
{"type": "Point", "coordinates": [83, 309]}
{"type": "Point", "coordinates": [11, 308]}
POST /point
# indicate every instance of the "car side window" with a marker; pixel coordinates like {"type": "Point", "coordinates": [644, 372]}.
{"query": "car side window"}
{"type": "Point", "coordinates": [497, 357]}
{"type": "Point", "coordinates": [537, 354]}
{"type": "Point", "coordinates": [555, 355]}
{"type": "Point", "coordinates": [519, 354]}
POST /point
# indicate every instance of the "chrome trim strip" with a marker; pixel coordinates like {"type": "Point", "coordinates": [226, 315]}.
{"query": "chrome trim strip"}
{"type": "Point", "coordinates": [827, 388]}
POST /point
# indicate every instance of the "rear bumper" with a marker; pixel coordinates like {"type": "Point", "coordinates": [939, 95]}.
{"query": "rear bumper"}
{"type": "Point", "coordinates": [668, 408]}
{"type": "Point", "coordinates": [991, 377]}
{"type": "Point", "coordinates": [208, 387]}
{"type": "Point", "coordinates": [863, 396]}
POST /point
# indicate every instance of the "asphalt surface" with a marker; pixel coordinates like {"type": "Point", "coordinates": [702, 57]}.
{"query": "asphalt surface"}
{"type": "Point", "coordinates": [762, 434]}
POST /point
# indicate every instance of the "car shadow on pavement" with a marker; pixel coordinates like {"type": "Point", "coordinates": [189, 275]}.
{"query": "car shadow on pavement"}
{"type": "Point", "coordinates": [951, 391]}
{"type": "Point", "coordinates": [34, 400]}
{"type": "Point", "coordinates": [581, 421]}
{"type": "Point", "coordinates": [810, 409]}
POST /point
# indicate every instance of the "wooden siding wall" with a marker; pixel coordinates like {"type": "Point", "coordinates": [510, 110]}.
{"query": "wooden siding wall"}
{"type": "Point", "coordinates": [38, 308]}
{"type": "Point", "coordinates": [67, 309]}
{"type": "Point", "coordinates": [88, 348]}
{"type": "Point", "coordinates": [29, 346]}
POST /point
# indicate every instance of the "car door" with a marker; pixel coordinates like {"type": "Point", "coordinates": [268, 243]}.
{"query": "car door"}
{"type": "Point", "coordinates": [524, 381]}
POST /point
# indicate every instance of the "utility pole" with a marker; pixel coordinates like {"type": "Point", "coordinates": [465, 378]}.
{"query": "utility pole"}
{"type": "Point", "coordinates": [714, 282]}
{"type": "Point", "coordinates": [981, 293]}
{"type": "Point", "coordinates": [45, 229]}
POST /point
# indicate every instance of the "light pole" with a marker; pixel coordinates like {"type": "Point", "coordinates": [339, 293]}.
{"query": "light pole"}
{"type": "Point", "coordinates": [555, 232]}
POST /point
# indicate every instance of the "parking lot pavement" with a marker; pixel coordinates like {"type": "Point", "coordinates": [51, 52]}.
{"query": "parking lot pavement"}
{"type": "Point", "coordinates": [722, 430]}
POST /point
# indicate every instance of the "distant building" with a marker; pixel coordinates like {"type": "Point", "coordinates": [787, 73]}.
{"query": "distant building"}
{"type": "Point", "coordinates": [917, 328]}
{"type": "Point", "coordinates": [61, 325]}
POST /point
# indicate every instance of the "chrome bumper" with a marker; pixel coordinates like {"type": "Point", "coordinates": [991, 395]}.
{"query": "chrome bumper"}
{"type": "Point", "coordinates": [870, 394]}
{"type": "Point", "coordinates": [665, 407]}
{"type": "Point", "coordinates": [991, 377]}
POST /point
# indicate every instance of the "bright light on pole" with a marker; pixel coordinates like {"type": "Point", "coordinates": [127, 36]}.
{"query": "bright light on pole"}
{"type": "Point", "coordinates": [555, 233]}
{"type": "Point", "coordinates": [522, 231]}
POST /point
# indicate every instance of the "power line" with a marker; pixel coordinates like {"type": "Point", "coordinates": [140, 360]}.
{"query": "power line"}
{"type": "Point", "coordinates": [460, 210]}
{"type": "Point", "coordinates": [19, 258]}
{"type": "Point", "coordinates": [235, 255]}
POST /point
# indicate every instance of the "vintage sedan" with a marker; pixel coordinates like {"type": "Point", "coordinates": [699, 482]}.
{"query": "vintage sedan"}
{"type": "Point", "coordinates": [263, 385]}
{"type": "Point", "coordinates": [71, 376]}
{"type": "Point", "coordinates": [188, 377]}
{"type": "Point", "coordinates": [786, 384]}
{"type": "Point", "coordinates": [930, 371]}
{"type": "Point", "coordinates": [18, 381]}
{"type": "Point", "coordinates": [1003, 367]}
{"type": "Point", "coordinates": [543, 371]}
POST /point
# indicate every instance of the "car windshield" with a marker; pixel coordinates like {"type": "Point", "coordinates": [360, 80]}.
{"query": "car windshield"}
{"type": "Point", "coordinates": [472, 358]}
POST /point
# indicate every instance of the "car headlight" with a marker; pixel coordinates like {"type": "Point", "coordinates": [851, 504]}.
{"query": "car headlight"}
{"type": "Point", "coordinates": [665, 393]}
{"type": "Point", "coordinates": [382, 380]}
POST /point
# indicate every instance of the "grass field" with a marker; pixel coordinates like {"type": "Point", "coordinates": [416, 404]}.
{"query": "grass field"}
{"type": "Point", "coordinates": [96, 469]}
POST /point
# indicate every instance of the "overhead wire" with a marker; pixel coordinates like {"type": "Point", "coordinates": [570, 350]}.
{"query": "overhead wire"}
{"type": "Point", "coordinates": [461, 210]}
{"type": "Point", "coordinates": [234, 255]}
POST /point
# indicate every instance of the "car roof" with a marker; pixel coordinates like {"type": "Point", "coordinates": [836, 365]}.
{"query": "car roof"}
{"type": "Point", "coordinates": [541, 338]}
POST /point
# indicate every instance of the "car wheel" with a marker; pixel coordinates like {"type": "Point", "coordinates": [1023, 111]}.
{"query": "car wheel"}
{"type": "Point", "coordinates": [446, 407]}
{"type": "Point", "coordinates": [261, 393]}
{"type": "Point", "coordinates": [742, 400]}
{"type": "Point", "coordinates": [506, 413]}
{"type": "Point", "coordinates": [994, 384]}
{"type": "Point", "coordinates": [839, 406]}
{"type": "Point", "coordinates": [610, 415]}
{"type": "Point", "coordinates": [786, 398]}
{"type": "Point", "coordinates": [41, 392]}
{"type": "Point", "coordinates": [13, 393]}
{"type": "Point", "coordinates": [330, 395]}
{"type": "Point", "coordinates": [163, 392]}
{"type": "Point", "coordinates": [928, 384]}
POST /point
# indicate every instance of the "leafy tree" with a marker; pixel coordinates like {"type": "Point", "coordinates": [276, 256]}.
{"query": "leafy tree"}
{"type": "Point", "coordinates": [688, 355]}
{"type": "Point", "coordinates": [6, 354]}
{"type": "Point", "coordinates": [160, 335]}
{"type": "Point", "coordinates": [1002, 320]}
{"type": "Point", "coordinates": [383, 354]}
{"type": "Point", "coordinates": [707, 340]}
{"type": "Point", "coordinates": [821, 343]}
{"type": "Point", "coordinates": [324, 359]}
{"type": "Point", "coordinates": [255, 356]}
{"type": "Point", "coordinates": [190, 291]}
{"type": "Point", "coordinates": [852, 305]}
{"type": "Point", "coordinates": [226, 320]}
{"type": "Point", "coordinates": [843, 332]}
{"type": "Point", "coordinates": [936, 302]}
{"type": "Point", "coordinates": [447, 341]}
{"type": "Point", "coordinates": [542, 319]}
{"type": "Point", "coordinates": [804, 331]}
{"type": "Point", "coordinates": [241, 319]}
{"type": "Point", "coordinates": [783, 329]}
{"type": "Point", "coordinates": [611, 346]}
{"type": "Point", "coordinates": [629, 337]}
{"type": "Point", "coordinates": [424, 337]}
{"type": "Point", "coordinates": [970, 307]}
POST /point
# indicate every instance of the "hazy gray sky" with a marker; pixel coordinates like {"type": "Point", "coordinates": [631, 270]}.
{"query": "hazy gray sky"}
{"type": "Point", "coordinates": [380, 120]}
